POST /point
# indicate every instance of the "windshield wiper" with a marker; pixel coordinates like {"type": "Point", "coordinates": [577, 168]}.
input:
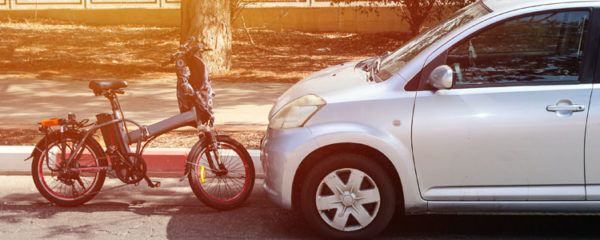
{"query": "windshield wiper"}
{"type": "Point", "coordinates": [384, 55]}
{"type": "Point", "coordinates": [364, 64]}
{"type": "Point", "coordinates": [376, 64]}
{"type": "Point", "coordinates": [372, 65]}
{"type": "Point", "coordinates": [374, 69]}
{"type": "Point", "coordinates": [368, 64]}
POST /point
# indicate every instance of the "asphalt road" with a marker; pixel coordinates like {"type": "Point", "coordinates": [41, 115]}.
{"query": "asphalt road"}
{"type": "Point", "coordinates": [172, 212]}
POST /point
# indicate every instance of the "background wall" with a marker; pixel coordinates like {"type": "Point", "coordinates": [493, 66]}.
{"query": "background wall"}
{"type": "Point", "coordinates": [307, 16]}
{"type": "Point", "coordinates": [86, 4]}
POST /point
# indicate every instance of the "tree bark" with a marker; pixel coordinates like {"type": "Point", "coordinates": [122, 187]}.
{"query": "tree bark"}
{"type": "Point", "coordinates": [210, 22]}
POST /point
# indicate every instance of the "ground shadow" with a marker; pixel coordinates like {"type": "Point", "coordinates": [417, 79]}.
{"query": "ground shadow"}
{"type": "Point", "coordinates": [257, 218]}
{"type": "Point", "coordinates": [188, 218]}
{"type": "Point", "coordinates": [492, 227]}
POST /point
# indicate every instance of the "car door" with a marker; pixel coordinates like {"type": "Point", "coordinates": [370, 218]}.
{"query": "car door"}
{"type": "Point", "coordinates": [592, 143]}
{"type": "Point", "coordinates": [513, 125]}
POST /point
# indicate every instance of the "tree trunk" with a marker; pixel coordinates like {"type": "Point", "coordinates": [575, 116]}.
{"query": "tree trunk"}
{"type": "Point", "coordinates": [210, 22]}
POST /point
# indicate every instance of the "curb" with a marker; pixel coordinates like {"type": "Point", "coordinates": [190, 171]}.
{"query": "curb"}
{"type": "Point", "coordinates": [162, 162]}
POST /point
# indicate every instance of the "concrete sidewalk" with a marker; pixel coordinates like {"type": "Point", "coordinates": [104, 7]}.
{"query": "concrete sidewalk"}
{"type": "Point", "coordinates": [26, 101]}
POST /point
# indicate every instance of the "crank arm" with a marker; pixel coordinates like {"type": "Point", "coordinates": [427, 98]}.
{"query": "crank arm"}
{"type": "Point", "coordinates": [150, 183]}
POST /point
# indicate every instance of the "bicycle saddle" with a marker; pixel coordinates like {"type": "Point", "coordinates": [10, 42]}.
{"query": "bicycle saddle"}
{"type": "Point", "coordinates": [102, 85]}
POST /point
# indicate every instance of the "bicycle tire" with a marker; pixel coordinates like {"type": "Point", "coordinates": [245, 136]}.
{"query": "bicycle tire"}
{"type": "Point", "coordinates": [233, 155]}
{"type": "Point", "coordinates": [48, 181]}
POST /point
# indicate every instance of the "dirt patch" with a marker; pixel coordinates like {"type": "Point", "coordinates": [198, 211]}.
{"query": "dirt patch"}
{"type": "Point", "coordinates": [186, 139]}
{"type": "Point", "coordinates": [19, 137]}
{"type": "Point", "coordinates": [49, 49]}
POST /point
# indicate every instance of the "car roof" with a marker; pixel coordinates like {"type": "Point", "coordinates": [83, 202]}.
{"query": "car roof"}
{"type": "Point", "coordinates": [507, 5]}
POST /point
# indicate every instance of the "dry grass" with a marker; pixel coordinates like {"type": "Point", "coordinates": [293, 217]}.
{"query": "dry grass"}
{"type": "Point", "coordinates": [54, 50]}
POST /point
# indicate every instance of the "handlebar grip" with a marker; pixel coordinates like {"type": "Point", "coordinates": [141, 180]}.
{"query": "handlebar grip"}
{"type": "Point", "coordinates": [188, 42]}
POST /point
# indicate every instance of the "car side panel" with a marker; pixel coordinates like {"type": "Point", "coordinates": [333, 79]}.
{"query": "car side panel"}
{"type": "Point", "coordinates": [398, 152]}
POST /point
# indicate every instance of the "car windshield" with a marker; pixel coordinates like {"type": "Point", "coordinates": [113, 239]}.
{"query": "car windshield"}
{"type": "Point", "coordinates": [398, 59]}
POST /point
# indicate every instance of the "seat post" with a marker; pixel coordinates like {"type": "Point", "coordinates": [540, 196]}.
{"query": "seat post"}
{"type": "Point", "coordinates": [114, 103]}
{"type": "Point", "coordinates": [118, 114]}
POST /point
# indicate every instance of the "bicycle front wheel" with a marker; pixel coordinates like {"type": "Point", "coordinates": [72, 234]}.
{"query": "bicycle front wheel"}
{"type": "Point", "coordinates": [226, 185]}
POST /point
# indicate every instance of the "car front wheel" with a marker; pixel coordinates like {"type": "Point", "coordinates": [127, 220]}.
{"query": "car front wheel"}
{"type": "Point", "coordinates": [348, 196]}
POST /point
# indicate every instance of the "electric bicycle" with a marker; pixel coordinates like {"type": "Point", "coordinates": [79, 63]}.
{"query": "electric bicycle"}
{"type": "Point", "coordinates": [69, 166]}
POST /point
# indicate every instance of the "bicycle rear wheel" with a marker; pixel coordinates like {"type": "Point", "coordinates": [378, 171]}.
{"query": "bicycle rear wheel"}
{"type": "Point", "coordinates": [73, 187]}
{"type": "Point", "coordinates": [226, 186]}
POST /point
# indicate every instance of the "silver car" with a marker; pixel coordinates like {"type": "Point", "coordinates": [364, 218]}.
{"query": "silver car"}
{"type": "Point", "coordinates": [493, 110]}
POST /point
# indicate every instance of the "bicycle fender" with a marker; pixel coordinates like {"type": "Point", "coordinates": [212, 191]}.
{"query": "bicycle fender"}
{"type": "Point", "coordinates": [37, 150]}
{"type": "Point", "coordinates": [193, 154]}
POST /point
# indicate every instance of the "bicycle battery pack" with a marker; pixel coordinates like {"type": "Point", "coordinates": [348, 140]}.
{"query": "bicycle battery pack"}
{"type": "Point", "coordinates": [111, 132]}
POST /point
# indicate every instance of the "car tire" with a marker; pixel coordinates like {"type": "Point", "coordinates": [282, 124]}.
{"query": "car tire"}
{"type": "Point", "coordinates": [362, 203]}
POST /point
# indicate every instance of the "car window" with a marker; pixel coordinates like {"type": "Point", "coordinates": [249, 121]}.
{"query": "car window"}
{"type": "Point", "coordinates": [545, 48]}
{"type": "Point", "coordinates": [391, 64]}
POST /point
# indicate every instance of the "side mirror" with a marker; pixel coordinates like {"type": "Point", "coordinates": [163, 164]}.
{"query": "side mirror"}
{"type": "Point", "coordinates": [441, 77]}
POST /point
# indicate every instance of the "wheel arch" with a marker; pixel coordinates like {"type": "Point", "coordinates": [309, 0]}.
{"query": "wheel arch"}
{"type": "Point", "coordinates": [364, 150]}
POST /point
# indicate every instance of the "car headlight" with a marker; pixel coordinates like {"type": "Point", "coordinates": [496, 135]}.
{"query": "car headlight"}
{"type": "Point", "coordinates": [296, 113]}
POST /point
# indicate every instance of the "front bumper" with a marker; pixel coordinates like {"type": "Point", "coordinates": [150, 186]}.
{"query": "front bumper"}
{"type": "Point", "coordinates": [282, 151]}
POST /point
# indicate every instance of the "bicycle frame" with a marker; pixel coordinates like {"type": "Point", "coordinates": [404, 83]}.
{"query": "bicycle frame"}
{"type": "Point", "coordinates": [142, 134]}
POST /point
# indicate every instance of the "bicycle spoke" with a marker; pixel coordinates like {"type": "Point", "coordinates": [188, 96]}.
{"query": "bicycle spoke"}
{"type": "Point", "coordinates": [74, 191]}
{"type": "Point", "coordinates": [80, 182]}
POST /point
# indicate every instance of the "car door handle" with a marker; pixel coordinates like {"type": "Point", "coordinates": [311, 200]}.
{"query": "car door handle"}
{"type": "Point", "coordinates": [565, 108]}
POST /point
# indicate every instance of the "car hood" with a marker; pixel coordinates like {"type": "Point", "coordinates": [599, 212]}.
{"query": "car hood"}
{"type": "Point", "coordinates": [324, 83]}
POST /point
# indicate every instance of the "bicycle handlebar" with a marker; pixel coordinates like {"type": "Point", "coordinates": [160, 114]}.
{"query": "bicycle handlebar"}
{"type": "Point", "coordinates": [190, 46]}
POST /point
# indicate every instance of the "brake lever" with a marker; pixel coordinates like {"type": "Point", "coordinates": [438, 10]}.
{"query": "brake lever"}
{"type": "Point", "coordinates": [187, 48]}
{"type": "Point", "coordinates": [172, 58]}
